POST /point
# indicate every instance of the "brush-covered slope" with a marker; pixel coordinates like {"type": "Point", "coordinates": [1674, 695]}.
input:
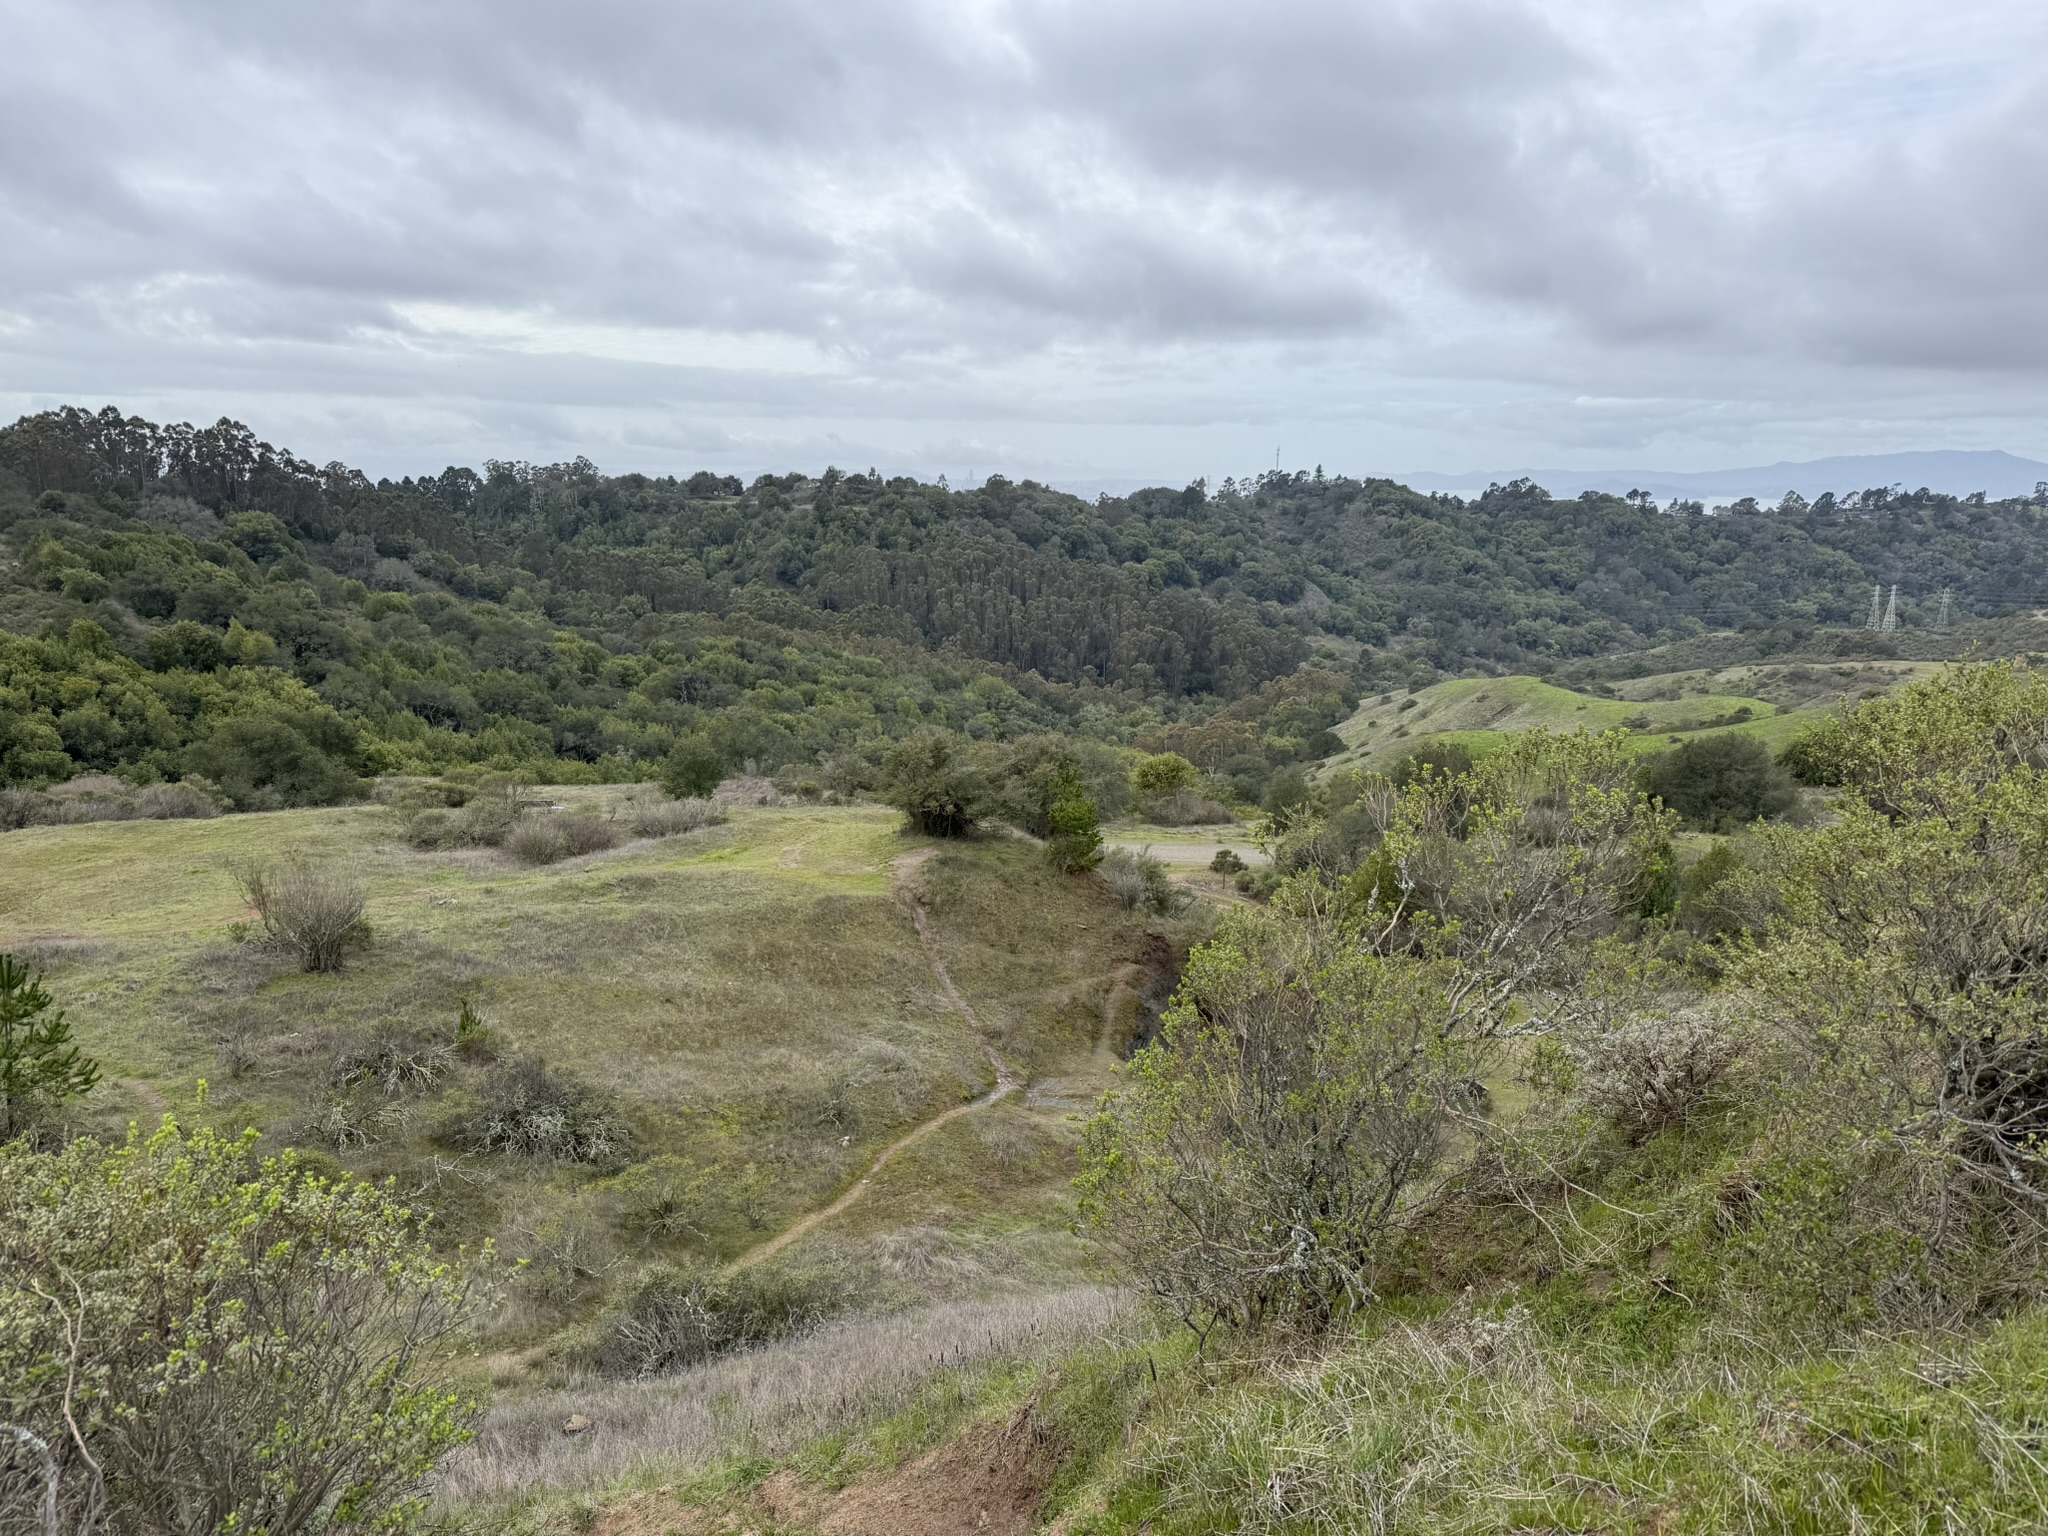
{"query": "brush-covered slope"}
{"type": "Point", "coordinates": [751, 1005]}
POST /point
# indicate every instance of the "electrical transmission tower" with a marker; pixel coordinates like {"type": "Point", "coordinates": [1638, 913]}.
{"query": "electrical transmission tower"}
{"type": "Point", "coordinates": [1876, 597]}
{"type": "Point", "coordinates": [1891, 611]}
{"type": "Point", "coordinates": [1942, 621]}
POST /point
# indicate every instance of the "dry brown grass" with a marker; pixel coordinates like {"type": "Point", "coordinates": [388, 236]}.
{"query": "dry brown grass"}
{"type": "Point", "coordinates": [768, 1401]}
{"type": "Point", "coordinates": [670, 818]}
{"type": "Point", "coordinates": [550, 838]}
{"type": "Point", "coordinates": [102, 797]}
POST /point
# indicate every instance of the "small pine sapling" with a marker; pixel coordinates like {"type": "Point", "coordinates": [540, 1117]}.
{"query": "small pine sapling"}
{"type": "Point", "coordinates": [39, 1066]}
{"type": "Point", "coordinates": [1076, 841]}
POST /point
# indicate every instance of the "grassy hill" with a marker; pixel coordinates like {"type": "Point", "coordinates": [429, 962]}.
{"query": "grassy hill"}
{"type": "Point", "coordinates": [1771, 701]}
{"type": "Point", "coordinates": [752, 1000]}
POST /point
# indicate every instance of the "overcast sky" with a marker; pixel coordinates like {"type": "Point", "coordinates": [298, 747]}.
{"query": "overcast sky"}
{"type": "Point", "coordinates": [1075, 239]}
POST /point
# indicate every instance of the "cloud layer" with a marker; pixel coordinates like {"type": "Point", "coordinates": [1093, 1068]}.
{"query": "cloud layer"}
{"type": "Point", "coordinates": [1124, 237]}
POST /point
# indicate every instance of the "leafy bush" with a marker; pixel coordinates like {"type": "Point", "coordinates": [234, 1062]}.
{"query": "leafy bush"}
{"type": "Point", "coordinates": [1310, 1068]}
{"type": "Point", "coordinates": [440, 815]}
{"type": "Point", "coordinates": [1287, 793]}
{"type": "Point", "coordinates": [273, 759]}
{"type": "Point", "coordinates": [1446, 759]}
{"type": "Point", "coordinates": [1712, 901]}
{"type": "Point", "coordinates": [1162, 774]}
{"type": "Point", "coordinates": [528, 1109]}
{"type": "Point", "coordinates": [39, 1066]}
{"type": "Point", "coordinates": [1299, 1087]}
{"type": "Point", "coordinates": [1808, 760]}
{"type": "Point", "coordinates": [680, 1318]}
{"type": "Point", "coordinates": [313, 910]}
{"type": "Point", "coordinates": [241, 1345]}
{"type": "Point", "coordinates": [1226, 862]}
{"type": "Point", "coordinates": [693, 770]}
{"type": "Point", "coordinates": [548, 838]}
{"type": "Point", "coordinates": [933, 779]}
{"type": "Point", "coordinates": [1141, 882]}
{"type": "Point", "coordinates": [1720, 783]}
{"type": "Point", "coordinates": [1898, 991]}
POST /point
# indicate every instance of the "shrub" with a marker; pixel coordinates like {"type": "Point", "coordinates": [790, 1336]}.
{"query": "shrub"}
{"type": "Point", "coordinates": [473, 1037]}
{"type": "Point", "coordinates": [1140, 882]}
{"type": "Point", "coordinates": [271, 759]}
{"type": "Point", "coordinates": [654, 818]}
{"type": "Point", "coordinates": [443, 815]}
{"type": "Point", "coordinates": [1898, 992]}
{"type": "Point", "coordinates": [100, 797]}
{"type": "Point", "coordinates": [397, 1062]}
{"type": "Point", "coordinates": [240, 1345]}
{"type": "Point", "coordinates": [185, 646]}
{"type": "Point", "coordinates": [550, 838]}
{"type": "Point", "coordinates": [1652, 1072]}
{"type": "Point", "coordinates": [313, 910]}
{"type": "Point", "coordinates": [1261, 1148]}
{"type": "Point", "coordinates": [1287, 794]}
{"type": "Point", "coordinates": [1310, 1068]}
{"type": "Point", "coordinates": [934, 781]}
{"type": "Point", "coordinates": [680, 1318]}
{"type": "Point", "coordinates": [1719, 783]}
{"type": "Point", "coordinates": [1163, 774]}
{"type": "Point", "coordinates": [190, 799]}
{"type": "Point", "coordinates": [39, 1066]}
{"type": "Point", "coordinates": [693, 770]}
{"type": "Point", "coordinates": [1076, 841]}
{"type": "Point", "coordinates": [1446, 759]}
{"type": "Point", "coordinates": [1711, 900]}
{"type": "Point", "coordinates": [1806, 758]}
{"type": "Point", "coordinates": [1185, 808]}
{"type": "Point", "coordinates": [1226, 862]}
{"type": "Point", "coordinates": [18, 809]}
{"type": "Point", "coordinates": [528, 1109]}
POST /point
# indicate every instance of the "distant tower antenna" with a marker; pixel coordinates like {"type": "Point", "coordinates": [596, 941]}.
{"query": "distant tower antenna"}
{"type": "Point", "coordinates": [1876, 597]}
{"type": "Point", "coordinates": [1276, 459]}
{"type": "Point", "coordinates": [1891, 611]}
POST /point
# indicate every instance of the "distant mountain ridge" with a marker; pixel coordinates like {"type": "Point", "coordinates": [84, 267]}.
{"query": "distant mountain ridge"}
{"type": "Point", "coordinates": [1955, 472]}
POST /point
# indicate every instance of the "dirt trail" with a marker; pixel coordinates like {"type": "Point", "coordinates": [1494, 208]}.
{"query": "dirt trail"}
{"type": "Point", "coordinates": [1008, 1079]}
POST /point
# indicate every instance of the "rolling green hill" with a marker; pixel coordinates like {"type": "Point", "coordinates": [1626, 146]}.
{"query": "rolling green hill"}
{"type": "Point", "coordinates": [753, 1000]}
{"type": "Point", "coordinates": [1772, 702]}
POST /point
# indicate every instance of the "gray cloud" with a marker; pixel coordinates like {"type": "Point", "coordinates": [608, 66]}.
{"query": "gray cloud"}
{"type": "Point", "coordinates": [1118, 237]}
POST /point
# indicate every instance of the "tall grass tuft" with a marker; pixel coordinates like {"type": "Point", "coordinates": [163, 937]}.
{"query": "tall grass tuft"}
{"type": "Point", "coordinates": [671, 818]}
{"type": "Point", "coordinates": [763, 1402]}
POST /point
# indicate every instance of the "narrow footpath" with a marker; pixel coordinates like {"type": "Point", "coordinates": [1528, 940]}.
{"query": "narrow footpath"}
{"type": "Point", "coordinates": [1008, 1079]}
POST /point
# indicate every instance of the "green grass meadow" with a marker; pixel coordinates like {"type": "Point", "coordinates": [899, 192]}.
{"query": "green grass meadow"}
{"type": "Point", "coordinates": [753, 996]}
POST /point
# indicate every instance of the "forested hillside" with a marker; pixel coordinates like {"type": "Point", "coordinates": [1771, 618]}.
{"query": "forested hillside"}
{"type": "Point", "coordinates": [580, 624]}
